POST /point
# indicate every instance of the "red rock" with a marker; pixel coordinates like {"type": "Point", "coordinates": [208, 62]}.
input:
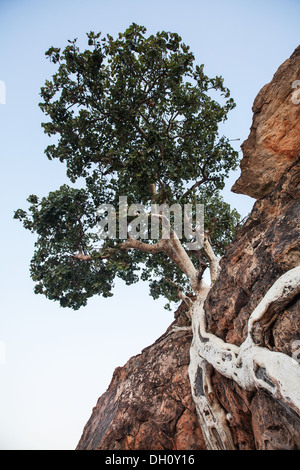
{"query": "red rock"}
{"type": "Point", "coordinates": [148, 405]}
{"type": "Point", "coordinates": [273, 144]}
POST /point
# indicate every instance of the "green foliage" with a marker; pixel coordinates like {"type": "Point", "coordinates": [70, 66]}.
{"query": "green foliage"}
{"type": "Point", "coordinates": [64, 223]}
{"type": "Point", "coordinates": [127, 113]}
{"type": "Point", "coordinates": [137, 108]}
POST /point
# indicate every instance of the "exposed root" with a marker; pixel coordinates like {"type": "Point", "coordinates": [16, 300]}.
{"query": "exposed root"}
{"type": "Point", "coordinates": [251, 366]}
{"type": "Point", "coordinates": [211, 415]}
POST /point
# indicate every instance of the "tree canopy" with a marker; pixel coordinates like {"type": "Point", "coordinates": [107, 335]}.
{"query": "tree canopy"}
{"type": "Point", "coordinates": [135, 117]}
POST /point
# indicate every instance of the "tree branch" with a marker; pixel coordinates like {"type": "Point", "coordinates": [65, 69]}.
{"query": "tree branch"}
{"type": "Point", "coordinates": [132, 243]}
{"type": "Point", "coordinates": [195, 185]}
{"type": "Point", "coordinates": [153, 192]}
{"type": "Point", "coordinates": [172, 247]}
{"type": "Point", "coordinates": [82, 257]}
{"type": "Point", "coordinates": [214, 261]}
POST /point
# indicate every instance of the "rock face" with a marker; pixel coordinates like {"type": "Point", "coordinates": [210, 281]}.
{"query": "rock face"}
{"type": "Point", "coordinates": [264, 248]}
{"type": "Point", "coordinates": [273, 143]}
{"type": "Point", "coordinates": [148, 404]}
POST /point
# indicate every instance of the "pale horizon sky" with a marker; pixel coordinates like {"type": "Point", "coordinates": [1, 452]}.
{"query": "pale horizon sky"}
{"type": "Point", "coordinates": [57, 361]}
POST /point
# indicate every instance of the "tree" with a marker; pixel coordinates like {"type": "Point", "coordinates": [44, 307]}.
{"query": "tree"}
{"type": "Point", "coordinates": [134, 116]}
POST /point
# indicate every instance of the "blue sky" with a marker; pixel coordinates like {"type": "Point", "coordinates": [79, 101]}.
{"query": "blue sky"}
{"type": "Point", "coordinates": [58, 362]}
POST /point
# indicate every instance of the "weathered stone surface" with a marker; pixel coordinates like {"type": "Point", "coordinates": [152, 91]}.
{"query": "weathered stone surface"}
{"type": "Point", "coordinates": [273, 143]}
{"type": "Point", "coordinates": [274, 427]}
{"type": "Point", "coordinates": [237, 403]}
{"type": "Point", "coordinates": [265, 247]}
{"type": "Point", "coordinates": [148, 405]}
{"type": "Point", "coordinates": [286, 329]}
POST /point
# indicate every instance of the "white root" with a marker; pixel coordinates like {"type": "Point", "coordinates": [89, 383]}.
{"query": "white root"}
{"type": "Point", "coordinates": [214, 261]}
{"type": "Point", "coordinates": [282, 292]}
{"type": "Point", "coordinates": [251, 366]}
{"type": "Point", "coordinates": [211, 415]}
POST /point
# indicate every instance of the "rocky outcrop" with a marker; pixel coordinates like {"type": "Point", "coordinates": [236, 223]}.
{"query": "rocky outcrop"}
{"type": "Point", "coordinates": [273, 143]}
{"type": "Point", "coordinates": [148, 404]}
{"type": "Point", "coordinates": [265, 247]}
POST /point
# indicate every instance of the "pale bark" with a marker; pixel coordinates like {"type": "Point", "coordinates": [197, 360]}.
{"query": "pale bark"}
{"type": "Point", "coordinates": [213, 259]}
{"type": "Point", "coordinates": [211, 415]}
{"type": "Point", "coordinates": [251, 366]}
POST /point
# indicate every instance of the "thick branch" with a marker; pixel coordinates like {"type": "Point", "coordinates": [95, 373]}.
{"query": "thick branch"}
{"type": "Point", "coordinates": [154, 248]}
{"type": "Point", "coordinates": [82, 257]}
{"type": "Point", "coordinates": [172, 247]}
{"type": "Point", "coordinates": [131, 243]}
{"type": "Point", "coordinates": [195, 185]}
{"type": "Point", "coordinates": [153, 192]}
{"type": "Point", "coordinates": [177, 253]}
{"type": "Point", "coordinates": [214, 261]}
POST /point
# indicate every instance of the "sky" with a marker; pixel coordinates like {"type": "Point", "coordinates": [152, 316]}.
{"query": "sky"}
{"type": "Point", "coordinates": [54, 362]}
